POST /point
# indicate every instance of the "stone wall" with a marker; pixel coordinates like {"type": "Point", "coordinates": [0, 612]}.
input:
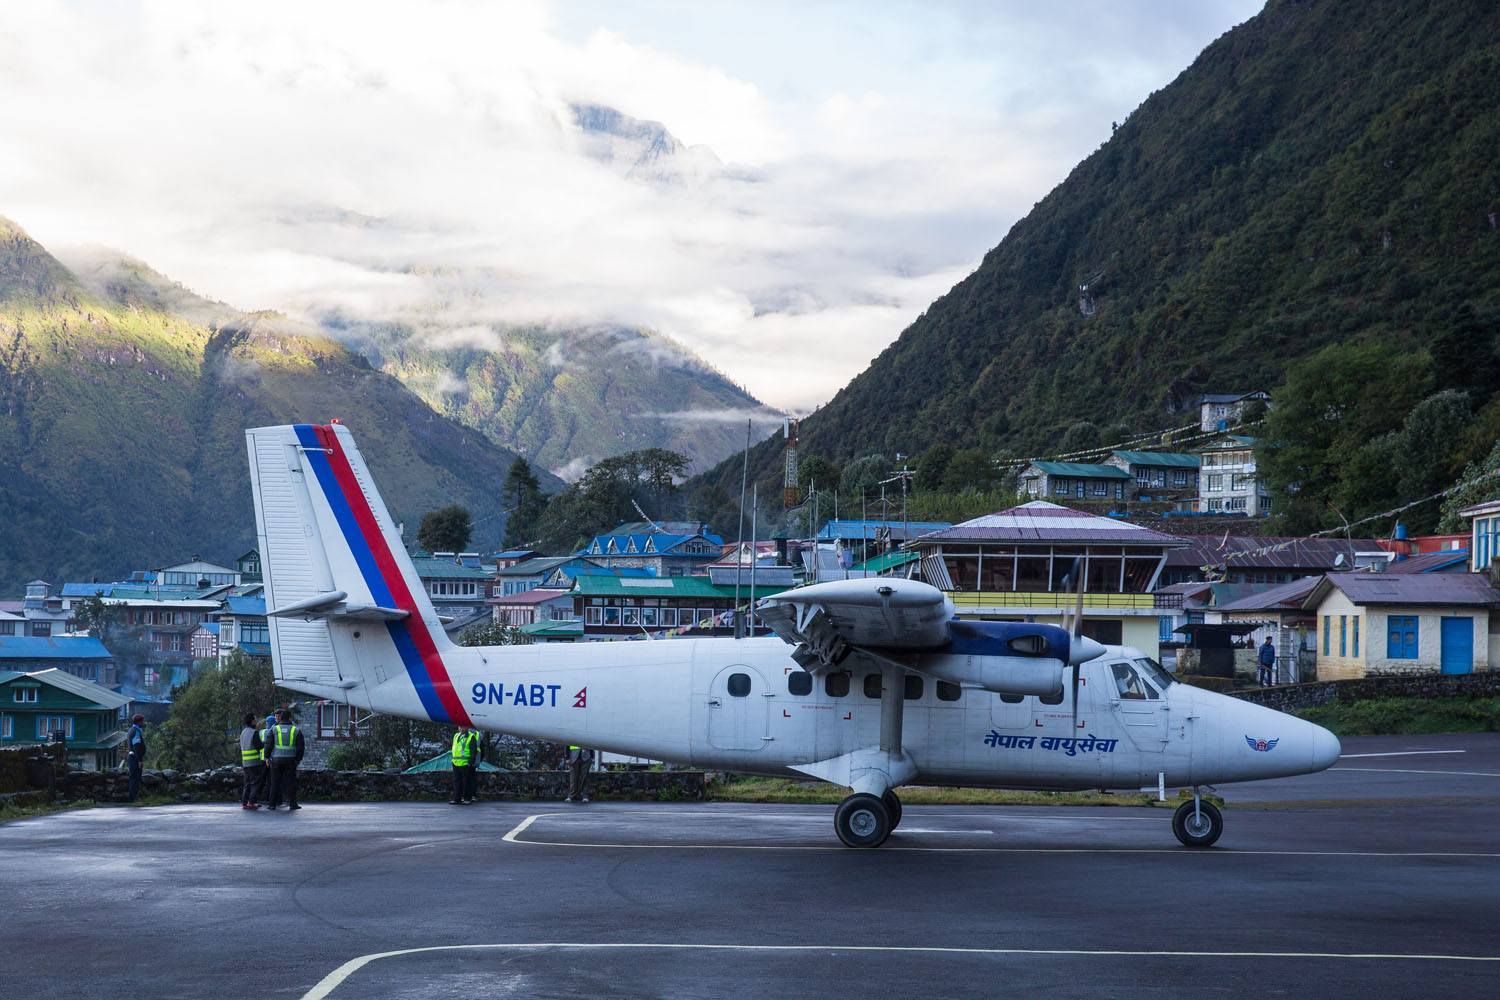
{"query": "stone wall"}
{"type": "Point", "coordinates": [26, 768]}
{"type": "Point", "coordinates": [223, 785]}
{"type": "Point", "coordinates": [1298, 696]}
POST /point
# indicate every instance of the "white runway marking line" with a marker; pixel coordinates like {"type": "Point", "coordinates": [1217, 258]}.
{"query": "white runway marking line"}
{"type": "Point", "coordinates": [513, 837]}
{"type": "Point", "coordinates": [1416, 770]}
{"type": "Point", "coordinates": [1398, 753]}
{"type": "Point", "coordinates": [331, 982]}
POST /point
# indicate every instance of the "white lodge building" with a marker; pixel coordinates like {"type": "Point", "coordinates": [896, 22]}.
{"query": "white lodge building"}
{"type": "Point", "coordinates": [1011, 566]}
{"type": "Point", "coordinates": [1228, 480]}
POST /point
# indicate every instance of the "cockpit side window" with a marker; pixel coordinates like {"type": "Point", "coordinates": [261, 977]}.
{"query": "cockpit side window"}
{"type": "Point", "coordinates": [1130, 685]}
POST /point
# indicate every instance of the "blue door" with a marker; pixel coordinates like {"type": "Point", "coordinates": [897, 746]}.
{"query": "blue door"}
{"type": "Point", "coordinates": [1458, 645]}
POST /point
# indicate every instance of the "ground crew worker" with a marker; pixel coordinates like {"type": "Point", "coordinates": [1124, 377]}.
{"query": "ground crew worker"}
{"type": "Point", "coordinates": [287, 748]}
{"type": "Point", "coordinates": [465, 754]}
{"type": "Point", "coordinates": [579, 760]}
{"type": "Point", "coordinates": [136, 757]}
{"type": "Point", "coordinates": [253, 760]}
{"type": "Point", "coordinates": [263, 790]}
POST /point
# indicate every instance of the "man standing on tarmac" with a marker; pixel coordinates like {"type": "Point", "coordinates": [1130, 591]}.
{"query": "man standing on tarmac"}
{"type": "Point", "coordinates": [287, 748]}
{"type": "Point", "coordinates": [579, 760]}
{"type": "Point", "coordinates": [1267, 660]}
{"type": "Point", "coordinates": [253, 760]}
{"type": "Point", "coordinates": [465, 756]}
{"type": "Point", "coordinates": [136, 758]}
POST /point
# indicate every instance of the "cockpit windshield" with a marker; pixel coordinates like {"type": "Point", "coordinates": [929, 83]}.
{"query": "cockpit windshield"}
{"type": "Point", "coordinates": [1130, 684]}
{"type": "Point", "coordinates": [1155, 671]}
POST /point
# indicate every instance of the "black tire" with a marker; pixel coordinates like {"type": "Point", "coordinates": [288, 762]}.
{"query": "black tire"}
{"type": "Point", "coordinates": [862, 820]}
{"type": "Point", "coordinates": [1208, 828]}
{"type": "Point", "coordinates": [892, 806]}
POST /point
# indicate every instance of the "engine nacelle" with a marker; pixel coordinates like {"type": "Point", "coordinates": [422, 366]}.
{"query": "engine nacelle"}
{"type": "Point", "coordinates": [1002, 674]}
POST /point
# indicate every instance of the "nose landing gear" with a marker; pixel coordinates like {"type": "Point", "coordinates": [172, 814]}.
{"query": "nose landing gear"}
{"type": "Point", "coordinates": [1197, 823]}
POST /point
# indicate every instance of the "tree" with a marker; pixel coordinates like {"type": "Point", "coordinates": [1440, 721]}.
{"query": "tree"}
{"type": "Point", "coordinates": [970, 469]}
{"type": "Point", "coordinates": [523, 498]}
{"type": "Point", "coordinates": [1333, 405]}
{"type": "Point", "coordinates": [446, 529]}
{"type": "Point", "coordinates": [1480, 482]}
{"type": "Point", "coordinates": [207, 712]}
{"type": "Point", "coordinates": [96, 617]}
{"type": "Point", "coordinates": [932, 467]}
{"type": "Point", "coordinates": [863, 475]}
{"type": "Point", "coordinates": [609, 493]}
{"type": "Point", "coordinates": [492, 634]}
{"type": "Point", "coordinates": [817, 471]}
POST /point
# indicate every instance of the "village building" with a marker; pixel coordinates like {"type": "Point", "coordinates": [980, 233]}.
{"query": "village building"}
{"type": "Point", "coordinates": [1382, 624]}
{"type": "Point", "coordinates": [457, 584]}
{"type": "Point", "coordinates": [1219, 411]}
{"type": "Point", "coordinates": [664, 549]}
{"type": "Point", "coordinates": [1484, 534]}
{"type": "Point", "coordinates": [41, 706]}
{"type": "Point", "coordinates": [540, 573]}
{"type": "Point", "coordinates": [1228, 479]}
{"type": "Point", "coordinates": [1012, 566]}
{"type": "Point", "coordinates": [198, 575]}
{"type": "Point", "coordinates": [1268, 560]}
{"type": "Point", "coordinates": [613, 607]}
{"type": "Point", "coordinates": [82, 656]}
{"type": "Point", "coordinates": [1159, 476]}
{"type": "Point", "coordinates": [243, 625]}
{"type": "Point", "coordinates": [1278, 613]}
{"type": "Point", "coordinates": [1074, 481]}
{"type": "Point", "coordinates": [531, 607]}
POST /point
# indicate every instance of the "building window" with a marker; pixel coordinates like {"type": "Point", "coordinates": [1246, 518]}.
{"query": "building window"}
{"type": "Point", "coordinates": [1060, 487]}
{"type": "Point", "coordinates": [1327, 633]}
{"type": "Point", "coordinates": [1401, 637]}
{"type": "Point", "coordinates": [7, 628]}
{"type": "Point", "coordinates": [7, 727]}
{"type": "Point", "coordinates": [46, 725]}
{"type": "Point", "coordinates": [1356, 636]}
{"type": "Point", "coordinates": [1236, 503]}
{"type": "Point", "coordinates": [1099, 488]}
{"type": "Point", "coordinates": [1343, 635]}
{"type": "Point", "coordinates": [41, 629]}
{"type": "Point", "coordinates": [1215, 482]}
{"type": "Point", "coordinates": [25, 696]}
{"type": "Point", "coordinates": [1179, 478]}
{"type": "Point", "coordinates": [593, 616]}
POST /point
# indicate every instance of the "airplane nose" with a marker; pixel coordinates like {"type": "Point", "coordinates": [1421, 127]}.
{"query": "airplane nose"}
{"type": "Point", "coordinates": [1083, 649]}
{"type": "Point", "coordinates": [1326, 749]}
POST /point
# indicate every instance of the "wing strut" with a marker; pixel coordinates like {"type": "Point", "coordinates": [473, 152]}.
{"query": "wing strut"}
{"type": "Point", "coordinates": [892, 707]}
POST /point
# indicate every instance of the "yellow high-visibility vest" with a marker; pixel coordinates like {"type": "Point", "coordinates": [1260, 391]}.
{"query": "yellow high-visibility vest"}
{"type": "Point", "coordinates": [286, 743]}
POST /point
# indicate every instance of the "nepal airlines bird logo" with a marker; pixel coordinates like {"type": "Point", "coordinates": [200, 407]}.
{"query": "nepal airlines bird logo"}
{"type": "Point", "coordinates": [1261, 745]}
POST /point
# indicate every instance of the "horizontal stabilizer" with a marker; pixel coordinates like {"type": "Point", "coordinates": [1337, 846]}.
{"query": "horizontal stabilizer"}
{"type": "Point", "coordinates": [331, 605]}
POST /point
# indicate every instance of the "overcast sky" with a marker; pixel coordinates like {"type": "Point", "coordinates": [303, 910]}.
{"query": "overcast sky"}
{"type": "Point", "coordinates": [419, 162]}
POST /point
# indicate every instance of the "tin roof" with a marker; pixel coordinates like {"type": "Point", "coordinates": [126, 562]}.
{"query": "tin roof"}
{"type": "Point", "coordinates": [1080, 470]}
{"type": "Point", "coordinates": [447, 568]}
{"type": "Point", "coordinates": [533, 597]}
{"type": "Point", "coordinates": [1040, 521]}
{"type": "Point", "coordinates": [52, 647]}
{"type": "Point", "coordinates": [248, 606]}
{"type": "Point", "coordinates": [1278, 598]}
{"type": "Point", "coordinates": [64, 681]}
{"type": "Point", "coordinates": [1427, 589]}
{"type": "Point", "coordinates": [1252, 552]}
{"type": "Point", "coordinates": [669, 587]}
{"type": "Point", "coordinates": [1171, 459]}
{"type": "Point", "coordinates": [1452, 560]}
{"type": "Point", "coordinates": [842, 528]}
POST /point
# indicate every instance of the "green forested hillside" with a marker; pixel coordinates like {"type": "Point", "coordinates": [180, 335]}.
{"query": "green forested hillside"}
{"type": "Point", "coordinates": [1325, 174]}
{"type": "Point", "coordinates": [122, 420]}
{"type": "Point", "coordinates": [575, 397]}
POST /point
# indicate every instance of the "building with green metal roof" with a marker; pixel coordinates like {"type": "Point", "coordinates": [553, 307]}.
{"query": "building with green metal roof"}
{"type": "Point", "coordinates": [1074, 480]}
{"type": "Point", "coordinates": [41, 705]}
{"type": "Point", "coordinates": [1160, 476]}
{"type": "Point", "coordinates": [635, 607]}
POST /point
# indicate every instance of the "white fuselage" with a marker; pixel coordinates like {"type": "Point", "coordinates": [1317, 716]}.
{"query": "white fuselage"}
{"type": "Point", "coordinates": [687, 701]}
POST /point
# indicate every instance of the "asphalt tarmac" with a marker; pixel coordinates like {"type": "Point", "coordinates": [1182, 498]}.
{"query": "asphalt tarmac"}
{"type": "Point", "coordinates": [1378, 878]}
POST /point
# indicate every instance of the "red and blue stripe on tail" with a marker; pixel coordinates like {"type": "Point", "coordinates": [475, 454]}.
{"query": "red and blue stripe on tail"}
{"type": "Point", "coordinates": [377, 564]}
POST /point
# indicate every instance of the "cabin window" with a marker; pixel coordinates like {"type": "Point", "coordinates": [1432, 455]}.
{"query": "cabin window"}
{"type": "Point", "coordinates": [799, 682]}
{"type": "Point", "coordinates": [1052, 699]}
{"type": "Point", "coordinates": [948, 692]}
{"type": "Point", "coordinates": [739, 685]}
{"type": "Point", "coordinates": [913, 687]}
{"type": "Point", "coordinates": [872, 685]}
{"type": "Point", "coordinates": [836, 685]}
{"type": "Point", "coordinates": [1012, 699]}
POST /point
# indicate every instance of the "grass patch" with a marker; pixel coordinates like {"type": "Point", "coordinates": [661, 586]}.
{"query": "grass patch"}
{"type": "Point", "coordinates": [735, 788]}
{"type": "Point", "coordinates": [1407, 716]}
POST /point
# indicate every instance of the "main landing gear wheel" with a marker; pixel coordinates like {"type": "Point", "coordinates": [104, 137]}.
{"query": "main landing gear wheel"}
{"type": "Point", "coordinates": [862, 820]}
{"type": "Point", "coordinates": [1200, 828]}
{"type": "Point", "coordinates": [892, 806]}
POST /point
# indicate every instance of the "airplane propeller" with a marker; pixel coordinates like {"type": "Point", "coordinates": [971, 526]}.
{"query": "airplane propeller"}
{"type": "Point", "coordinates": [1081, 649]}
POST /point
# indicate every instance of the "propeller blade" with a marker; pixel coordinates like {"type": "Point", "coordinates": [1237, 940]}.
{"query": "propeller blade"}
{"type": "Point", "coordinates": [1078, 636]}
{"type": "Point", "coordinates": [1075, 695]}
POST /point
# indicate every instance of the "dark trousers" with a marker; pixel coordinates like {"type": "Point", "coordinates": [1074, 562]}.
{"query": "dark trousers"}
{"type": "Point", "coordinates": [465, 784]}
{"type": "Point", "coordinates": [263, 785]}
{"type": "Point", "coordinates": [134, 790]}
{"type": "Point", "coordinates": [1267, 675]}
{"type": "Point", "coordinates": [283, 782]}
{"type": "Point", "coordinates": [255, 780]}
{"type": "Point", "coordinates": [578, 777]}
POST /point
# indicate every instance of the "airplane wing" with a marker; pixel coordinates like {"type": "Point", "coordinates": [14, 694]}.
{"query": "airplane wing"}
{"type": "Point", "coordinates": [828, 621]}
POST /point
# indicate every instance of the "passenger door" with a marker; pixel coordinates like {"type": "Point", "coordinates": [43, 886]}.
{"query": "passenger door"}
{"type": "Point", "coordinates": [738, 709]}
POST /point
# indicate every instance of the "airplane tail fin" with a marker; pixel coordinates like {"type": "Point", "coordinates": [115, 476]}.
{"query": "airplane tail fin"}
{"type": "Point", "coordinates": [347, 611]}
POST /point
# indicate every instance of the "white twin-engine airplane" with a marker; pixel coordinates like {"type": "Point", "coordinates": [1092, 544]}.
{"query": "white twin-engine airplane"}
{"type": "Point", "coordinates": [881, 685]}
